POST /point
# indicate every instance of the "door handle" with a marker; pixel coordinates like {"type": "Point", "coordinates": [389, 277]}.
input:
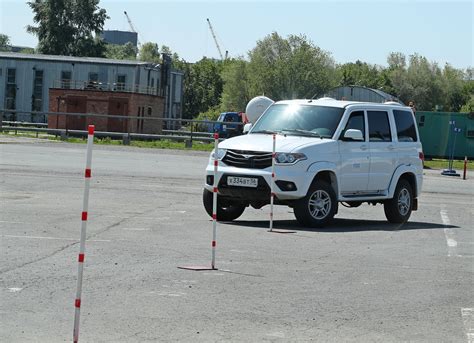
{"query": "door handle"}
{"type": "Point", "coordinates": [390, 147]}
{"type": "Point", "coordinates": [363, 147]}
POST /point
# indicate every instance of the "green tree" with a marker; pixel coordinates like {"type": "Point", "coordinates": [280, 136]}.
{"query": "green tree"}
{"type": "Point", "coordinates": [121, 52]}
{"type": "Point", "coordinates": [68, 27]}
{"type": "Point", "coordinates": [457, 93]}
{"type": "Point", "coordinates": [4, 42]}
{"type": "Point", "coordinates": [27, 51]}
{"type": "Point", "coordinates": [235, 92]}
{"type": "Point", "coordinates": [360, 74]}
{"type": "Point", "coordinates": [149, 52]}
{"type": "Point", "coordinates": [289, 68]}
{"type": "Point", "coordinates": [423, 82]}
{"type": "Point", "coordinates": [202, 85]}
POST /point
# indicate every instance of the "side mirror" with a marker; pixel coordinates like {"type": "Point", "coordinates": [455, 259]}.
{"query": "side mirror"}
{"type": "Point", "coordinates": [353, 135]}
{"type": "Point", "coordinates": [247, 128]}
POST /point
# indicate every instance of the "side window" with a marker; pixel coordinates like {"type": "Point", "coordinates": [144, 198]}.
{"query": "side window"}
{"type": "Point", "coordinates": [93, 77]}
{"type": "Point", "coordinates": [356, 122]}
{"type": "Point", "coordinates": [121, 79]}
{"type": "Point", "coordinates": [406, 131]}
{"type": "Point", "coordinates": [379, 127]}
{"type": "Point", "coordinates": [66, 77]}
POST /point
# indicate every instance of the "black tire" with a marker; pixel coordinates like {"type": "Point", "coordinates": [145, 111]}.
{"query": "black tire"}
{"type": "Point", "coordinates": [398, 209]}
{"type": "Point", "coordinates": [318, 207]}
{"type": "Point", "coordinates": [228, 212]}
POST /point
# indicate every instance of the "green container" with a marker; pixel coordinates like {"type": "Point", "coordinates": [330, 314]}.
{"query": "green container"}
{"type": "Point", "coordinates": [437, 134]}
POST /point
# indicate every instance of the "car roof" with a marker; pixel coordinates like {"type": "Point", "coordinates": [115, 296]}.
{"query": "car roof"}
{"type": "Point", "coordinates": [329, 102]}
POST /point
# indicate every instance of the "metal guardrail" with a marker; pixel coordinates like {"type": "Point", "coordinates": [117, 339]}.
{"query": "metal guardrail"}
{"type": "Point", "coordinates": [183, 136]}
{"type": "Point", "coordinates": [189, 133]}
{"type": "Point", "coordinates": [25, 124]}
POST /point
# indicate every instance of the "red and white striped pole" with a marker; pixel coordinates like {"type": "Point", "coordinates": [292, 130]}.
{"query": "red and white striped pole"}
{"type": "Point", "coordinates": [272, 184]}
{"type": "Point", "coordinates": [85, 206]}
{"type": "Point", "coordinates": [214, 202]}
{"type": "Point", "coordinates": [465, 168]}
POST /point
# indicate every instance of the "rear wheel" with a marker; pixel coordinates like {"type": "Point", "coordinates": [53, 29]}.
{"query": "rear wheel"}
{"type": "Point", "coordinates": [318, 207]}
{"type": "Point", "coordinates": [398, 209]}
{"type": "Point", "coordinates": [226, 211]}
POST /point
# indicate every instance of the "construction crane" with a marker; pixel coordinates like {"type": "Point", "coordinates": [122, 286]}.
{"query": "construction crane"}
{"type": "Point", "coordinates": [131, 26]}
{"type": "Point", "coordinates": [215, 41]}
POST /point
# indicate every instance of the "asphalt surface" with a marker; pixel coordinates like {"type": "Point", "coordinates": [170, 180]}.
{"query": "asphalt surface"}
{"type": "Point", "coordinates": [359, 280]}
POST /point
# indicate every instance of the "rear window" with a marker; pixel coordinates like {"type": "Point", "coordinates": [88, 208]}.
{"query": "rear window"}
{"type": "Point", "coordinates": [405, 126]}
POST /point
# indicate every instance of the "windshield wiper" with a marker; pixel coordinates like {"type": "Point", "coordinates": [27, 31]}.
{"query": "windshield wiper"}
{"type": "Point", "coordinates": [304, 132]}
{"type": "Point", "coordinates": [270, 132]}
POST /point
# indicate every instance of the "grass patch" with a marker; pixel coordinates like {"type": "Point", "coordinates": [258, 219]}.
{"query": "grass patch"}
{"type": "Point", "coordinates": [157, 144]}
{"type": "Point", "coordinates": [443, 164]}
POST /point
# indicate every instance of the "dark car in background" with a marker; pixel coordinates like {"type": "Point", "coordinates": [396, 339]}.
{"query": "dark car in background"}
{"type": "Point", "coordinates": [226, 127]}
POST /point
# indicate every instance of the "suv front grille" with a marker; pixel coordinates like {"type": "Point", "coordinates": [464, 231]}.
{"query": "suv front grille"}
{"type": "Point", "coordinates": [248, 159]}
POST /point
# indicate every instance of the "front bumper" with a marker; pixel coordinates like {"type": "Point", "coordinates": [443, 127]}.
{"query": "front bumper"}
{"type": "Point", "coordinates": [291, 173]}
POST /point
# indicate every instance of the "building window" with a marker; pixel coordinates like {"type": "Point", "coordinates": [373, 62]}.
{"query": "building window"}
{"type": "Point", "coordinates": [422, 121]}
{"type": "Point", "coordinates": [37, 98]}
{"type": "Point", "coordinates": [66, 77]}
{"type": "Point", "coordinates": [93, 77]}
{"type": "Point", "coordinates": [10, 90]}
{"type": "Point", "coordinates": [121, 80]}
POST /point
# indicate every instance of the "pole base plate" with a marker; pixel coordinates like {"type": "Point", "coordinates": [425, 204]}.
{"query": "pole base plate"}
{"type": "Point", "coordinates": [450, 172]}
{"type": "Point", "coordinates": [197, 268]}
{"type": "Point", "coordinates": [281, 231]}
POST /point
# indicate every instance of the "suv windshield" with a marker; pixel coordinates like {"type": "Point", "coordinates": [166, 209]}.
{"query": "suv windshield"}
{"type": "Point", "coordinates": [299, 120]}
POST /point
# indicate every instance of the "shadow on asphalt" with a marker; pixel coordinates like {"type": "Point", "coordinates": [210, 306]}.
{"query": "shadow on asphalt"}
{"type": "Point", "coordinates": [342, 225]}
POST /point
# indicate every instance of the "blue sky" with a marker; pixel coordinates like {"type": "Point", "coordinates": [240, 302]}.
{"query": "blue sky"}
{"type": "Point", "coordinates": [442, 31]}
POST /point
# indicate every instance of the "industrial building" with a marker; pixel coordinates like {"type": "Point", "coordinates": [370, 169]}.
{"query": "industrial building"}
{"type": "Point", "coordinates": [25, 81]}
{"type": "Point", "coordinates": [359, 93]}
{"type": "Point", "coordinates": [119, 37]}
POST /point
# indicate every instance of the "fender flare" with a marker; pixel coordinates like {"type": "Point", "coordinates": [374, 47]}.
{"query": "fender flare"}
{"type": "Point", "coordinates": [403, 169]}
{"type": "Point", "coordinates": [325, 166]}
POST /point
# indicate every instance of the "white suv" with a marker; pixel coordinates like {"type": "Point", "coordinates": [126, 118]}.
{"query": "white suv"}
{"type": "Point", "coordinates": [327, 152]}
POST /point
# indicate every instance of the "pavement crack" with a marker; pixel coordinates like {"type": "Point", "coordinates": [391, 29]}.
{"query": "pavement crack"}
{"type": "Point", "coordinates": [57, 251]}
{"type": "Point", "coordinates": [38, 259]}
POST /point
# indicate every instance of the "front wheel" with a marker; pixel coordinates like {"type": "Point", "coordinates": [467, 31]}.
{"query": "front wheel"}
{"type": "Point", "coordinates": [318, 207]}
{"type": "Point", "coordinates": [225, 211]}
{"type": "Point", "coordinates": [398, 209]}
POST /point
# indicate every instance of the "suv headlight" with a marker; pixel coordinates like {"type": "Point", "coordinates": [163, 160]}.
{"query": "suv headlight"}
{"type": "Point", "coordinates": [220, 154]}
{"type": "Point", "coordinates": [289, 158]}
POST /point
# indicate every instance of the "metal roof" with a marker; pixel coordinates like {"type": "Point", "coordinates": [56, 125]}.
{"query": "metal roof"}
{"type": "Point", "coordinates": [383, 95]}
{"type": "Point", "coordinates": [72, 59]}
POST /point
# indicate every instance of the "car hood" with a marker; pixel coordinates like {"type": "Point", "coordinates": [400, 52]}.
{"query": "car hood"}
{"type": "Point", "coordinates": [264, 142]}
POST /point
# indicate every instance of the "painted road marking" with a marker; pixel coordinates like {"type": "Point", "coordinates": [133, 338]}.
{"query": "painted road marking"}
{"type": "Point", "coordinates": [55, 238]}
{"type": "Point", "coordinates": [136, 229]}
{"type": "Point", "coordinates": [14, 289]}
{"type": "Point", "coordinates": [137, 217]}
{"type": "Point", "coordinates": [449, 234]}
{"type": "Point", "coordinates": [468, 321]}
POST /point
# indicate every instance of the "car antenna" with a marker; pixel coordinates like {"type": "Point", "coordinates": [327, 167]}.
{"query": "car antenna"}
{"type": "Point", "coordinates": [312, 98]}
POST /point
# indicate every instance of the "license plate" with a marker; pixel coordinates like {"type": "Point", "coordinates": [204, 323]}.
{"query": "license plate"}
{"type": "Point", "coordinates": [242, 181]}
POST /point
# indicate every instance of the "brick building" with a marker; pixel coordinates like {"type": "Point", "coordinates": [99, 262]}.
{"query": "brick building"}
{"type": "Point", "coordinates": [149, 109]}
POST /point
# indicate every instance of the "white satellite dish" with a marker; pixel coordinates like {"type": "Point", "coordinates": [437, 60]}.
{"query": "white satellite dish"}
{"type": "Point", "coordinates": [256, 107]}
